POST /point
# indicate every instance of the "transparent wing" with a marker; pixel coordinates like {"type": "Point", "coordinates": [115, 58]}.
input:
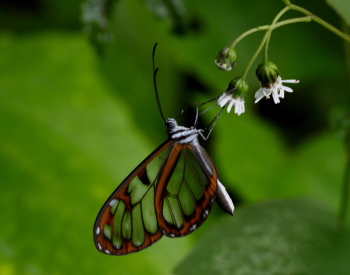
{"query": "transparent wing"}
{"type": "Point", "coordinates": [186, 190]}
{"type": "Point", "coordinates": [128, 221]}
{"type": "Point", "coordinates": [171, 192]}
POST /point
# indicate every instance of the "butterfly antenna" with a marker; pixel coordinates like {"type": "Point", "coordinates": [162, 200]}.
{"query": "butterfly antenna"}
{"type": "Point", "coordinates": [155, 71]}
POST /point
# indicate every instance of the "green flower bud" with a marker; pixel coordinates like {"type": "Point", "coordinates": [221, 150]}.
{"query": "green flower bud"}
{"type": "Point", "coordinates": [238, 87]}
{"type": "Point", "coordinates": [226, 59]}
{"type": "Point", "coordinates": [267, 73]}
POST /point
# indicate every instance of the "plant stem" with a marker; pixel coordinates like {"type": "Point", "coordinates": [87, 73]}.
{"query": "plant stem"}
{"type": "Point", "coordinates": [291, 21]}
{"type": "Point", "coordinates": [239, 38]}
{"type": "Point", "coordinates": [287, 2]}
{"type": "Point", "coordinates": [266, 39]}
{"type": "Point", "coordinates": [267, 35]}
{"type": "Point", "coordinates": [246, 70]}
{"type": "Point", "coordinates": [320, 21]}
{"type": "Point", "coordinates": [278, 16]}
{"type": "Point", "coordinates": [269, 27]}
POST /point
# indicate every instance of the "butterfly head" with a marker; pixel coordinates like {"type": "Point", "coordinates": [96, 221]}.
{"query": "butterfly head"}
{"type": "Point", "coordinates": [171, 124]}
{"type": "Point", "coordinates": [181, 134]}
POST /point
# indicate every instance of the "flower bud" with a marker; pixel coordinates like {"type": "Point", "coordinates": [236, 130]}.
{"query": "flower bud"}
{"type": "Point", "coordinates": [238, 87]}
{"type": "Point", "coordinates": [226, 59]}
{"type": "Point", "coordinates": [267, 73]}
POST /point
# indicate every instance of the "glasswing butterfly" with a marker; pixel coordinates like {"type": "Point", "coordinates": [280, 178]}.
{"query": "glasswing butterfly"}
{"type": "Point", "coordinates": [170, 193]}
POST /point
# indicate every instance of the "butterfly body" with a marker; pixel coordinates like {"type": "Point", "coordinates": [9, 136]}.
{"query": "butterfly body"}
{"type": "Point", "coordinates": [170, 193]}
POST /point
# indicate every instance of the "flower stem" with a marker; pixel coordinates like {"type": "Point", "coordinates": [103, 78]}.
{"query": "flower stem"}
{"type": "Point", "coordinates": [268, 34]}
{"type": "Point", "coordinates": [278, 16]}
{"type": "Point", "coordinates": [333, 29]}
{"type": "Point", "coordinates": [320, 21]}
{"type": "Point", "coordinates": [239, 38]}
{"type": "Point", "coordinates": [269, 28]}
{"type": "Point", "coordinates": [291, 21]}
{"type": "Point", "coordinates": [287, 2]}
{"type": "Point", "coordinates": [246, 70]}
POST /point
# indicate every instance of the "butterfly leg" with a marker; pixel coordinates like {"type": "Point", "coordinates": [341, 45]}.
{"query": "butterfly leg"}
{"type": "Point", "coordinates": [199, 105]}
{"type": "Point", "coordinates": [212, 123]}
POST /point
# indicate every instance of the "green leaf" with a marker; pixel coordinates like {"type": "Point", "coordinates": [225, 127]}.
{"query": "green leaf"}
{"type": "Point", "coordinates": [275, 237]}
{"type": "Point", "coordinates": [342, 7]}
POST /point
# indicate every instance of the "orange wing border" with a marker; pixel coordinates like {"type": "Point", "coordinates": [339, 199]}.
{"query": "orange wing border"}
{"type": "Point", "coordinates": [104, 217]}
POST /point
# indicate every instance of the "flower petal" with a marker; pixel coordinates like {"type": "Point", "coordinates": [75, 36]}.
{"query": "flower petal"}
{"type": "Point", "coordinates": [259, 95]}
{"type": "Point", "coordinates": [287, 89]}
{"type": "Point", "coordinates": [229, 107]}
{"type": "Point", "coordinates": [224, 99]}
{"type": "Point", "coordinates": [275, 97]}
{"type": "Point", "coordinates": [276, 89]}
{"type": "Point", "coordinates": [281, 93]}
{"type": "Point", "coordinates": [239, 108]}
{"type": "Point", "coordinates": [290, 81]}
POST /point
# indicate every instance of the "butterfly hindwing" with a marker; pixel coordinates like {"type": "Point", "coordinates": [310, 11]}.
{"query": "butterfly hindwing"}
{"type": "Point", "coordinates": [186, 190]}
{"type": "Point", "coordinates": [128, 221]}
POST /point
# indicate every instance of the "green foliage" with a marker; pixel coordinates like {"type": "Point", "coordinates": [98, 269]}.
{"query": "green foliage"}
{"type": "Point", "coordinates": [73, 124]}
{"type": "Point", "coordinates": [275, 237]}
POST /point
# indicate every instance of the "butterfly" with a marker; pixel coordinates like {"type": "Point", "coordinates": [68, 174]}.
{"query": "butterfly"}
{"type": "Point", "coordinates": [170, 193]}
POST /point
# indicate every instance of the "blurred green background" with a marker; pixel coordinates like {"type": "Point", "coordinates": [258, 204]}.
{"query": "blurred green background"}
{"type": "Point", "coordinates": [78, 113]}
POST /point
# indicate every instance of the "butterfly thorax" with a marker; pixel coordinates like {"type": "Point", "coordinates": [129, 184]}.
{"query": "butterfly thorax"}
{"type": "Point", "coordinates": [181, 134]}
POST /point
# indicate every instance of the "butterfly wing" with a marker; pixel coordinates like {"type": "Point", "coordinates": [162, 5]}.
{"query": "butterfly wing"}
{"type": "Point", "coordinates": [171, 192]}
{"type": "Point", "coordinates": [186, 190]}
{"type": "Point", "coordinates": [128, 221]}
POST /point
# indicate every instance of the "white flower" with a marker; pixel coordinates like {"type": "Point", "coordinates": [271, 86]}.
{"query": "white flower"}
{"type": "Point", "coordinates": [276, 89]}
{"type": "Point", "coordinates": [227, 99]}
{"type": "Point", "coordinates": [239, 107]}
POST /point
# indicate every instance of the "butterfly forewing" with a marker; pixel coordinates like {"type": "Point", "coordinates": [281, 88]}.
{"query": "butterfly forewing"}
{"type": "Point", "coordinates": [128, 221]}
{"type": "Point", "coordinates": [186, 190]}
